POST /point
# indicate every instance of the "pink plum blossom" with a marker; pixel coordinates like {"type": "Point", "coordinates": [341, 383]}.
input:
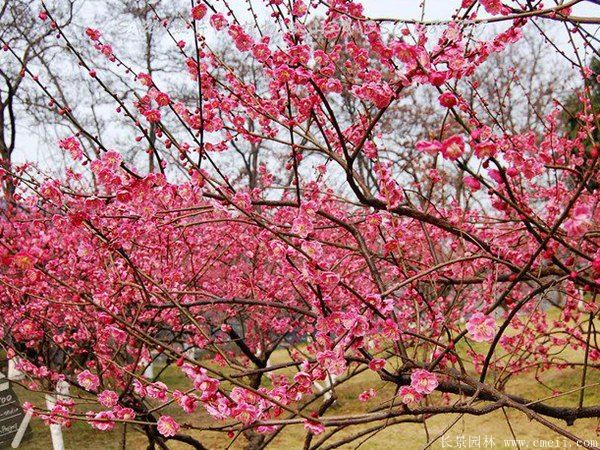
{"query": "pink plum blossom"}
{"type": "Point", "coordinates": [481, 328]}
{"type": "Point", "coordinates": [167, 426]}
{"type": "Point", "coordinates": [88, 380]}
{"type": "Point", "coordinates": [423, 381]}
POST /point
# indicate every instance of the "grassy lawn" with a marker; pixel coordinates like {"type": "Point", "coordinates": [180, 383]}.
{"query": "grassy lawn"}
{"type": "Point", "coordinates": [401, 436]}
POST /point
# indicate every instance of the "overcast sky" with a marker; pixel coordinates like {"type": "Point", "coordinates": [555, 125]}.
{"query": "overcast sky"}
{"type": "Point", "coordinates": [30, 147]}
{"type": "Point", "coordinates": [442, 9]}
{"type": "Point", "coordinates": [411, 9]}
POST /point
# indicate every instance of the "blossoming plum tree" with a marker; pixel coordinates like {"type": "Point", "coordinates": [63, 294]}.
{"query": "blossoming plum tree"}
{"type": "Point", "coordinates": [415, 285]}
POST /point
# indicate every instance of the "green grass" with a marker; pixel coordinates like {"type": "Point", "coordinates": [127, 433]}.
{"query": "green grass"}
{"type": "Point", "coordinates": [402, 436]}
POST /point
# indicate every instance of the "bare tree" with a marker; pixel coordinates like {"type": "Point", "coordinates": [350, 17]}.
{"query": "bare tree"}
{"type": "Point", "coordinates": [24, 41]}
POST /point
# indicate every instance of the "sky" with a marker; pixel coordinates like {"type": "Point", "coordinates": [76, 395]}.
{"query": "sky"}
{"type": "Point", "coordinates": [434, 9]}
{"type": "Point", "coordinates": [443, 9]}
{"type": "Point", "coordinates": [33, 149]}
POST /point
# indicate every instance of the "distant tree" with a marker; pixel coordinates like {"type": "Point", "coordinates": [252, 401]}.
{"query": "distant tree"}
{"type": "Point", "coordinates": [25, 44]}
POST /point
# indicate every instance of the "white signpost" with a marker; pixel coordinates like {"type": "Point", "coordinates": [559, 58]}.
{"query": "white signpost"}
{"type": "Point", "coordinates": [62, 390]}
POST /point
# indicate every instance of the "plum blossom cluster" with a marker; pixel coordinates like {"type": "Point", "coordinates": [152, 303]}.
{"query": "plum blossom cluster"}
{"type": "Point", "coordinates": [263, 301]}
